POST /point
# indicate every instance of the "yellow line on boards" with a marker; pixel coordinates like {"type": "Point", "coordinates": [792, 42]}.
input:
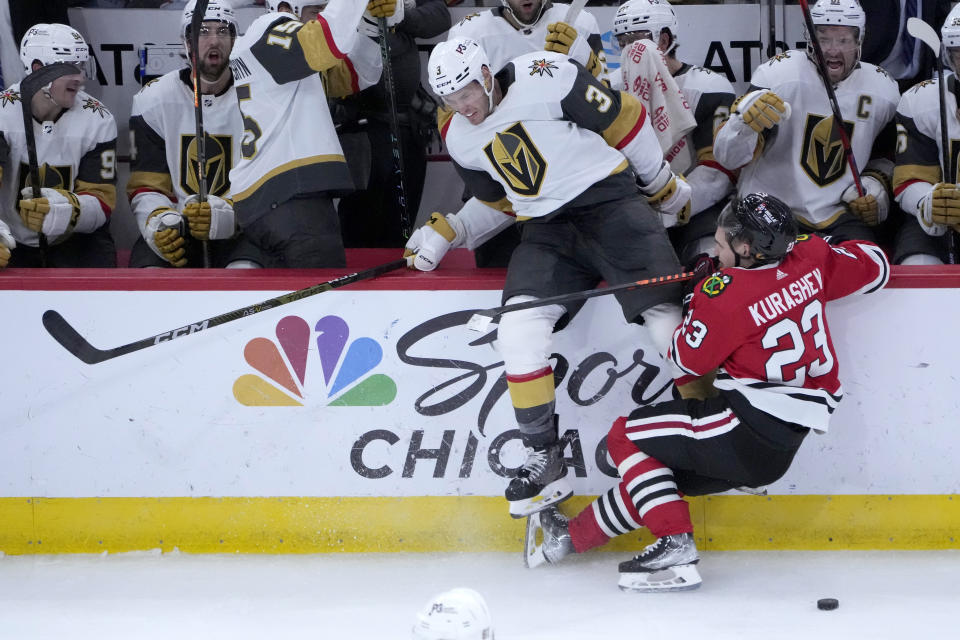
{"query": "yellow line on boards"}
{"type": "Point", "coordinates": [453, 523]}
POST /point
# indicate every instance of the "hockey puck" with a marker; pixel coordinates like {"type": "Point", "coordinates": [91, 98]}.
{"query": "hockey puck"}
{"type": "Point", "coordinates": [827, 604]}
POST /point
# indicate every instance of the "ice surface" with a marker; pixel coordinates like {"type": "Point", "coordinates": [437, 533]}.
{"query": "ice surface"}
{"type": "Point", "coordinates": [769, 595]}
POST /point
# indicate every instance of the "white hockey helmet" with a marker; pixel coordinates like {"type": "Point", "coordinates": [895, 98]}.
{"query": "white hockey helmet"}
{"type": "Point", "coordinates": [544, 5]}
{"type": "Point", "coordinates": [646, 15]}
{"type": "Point", "coordinates": [950, 34]}
{"type": "Point", "coordinates": [296, 6]}
{"type": "Point", "coordinates": [219, 10]}
{"type": "Point", "coordinates": [842, 13]}
{"type": "Point", "coordinates": [50, 43]}
{"type": "Point", "coordinates": [458, 614]}
{"type": "Point", "coordinates": [456, 63]}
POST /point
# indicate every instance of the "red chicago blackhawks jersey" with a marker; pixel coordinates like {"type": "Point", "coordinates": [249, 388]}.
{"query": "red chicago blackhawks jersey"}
{"type": "Point", "coordinates": [766, 328]}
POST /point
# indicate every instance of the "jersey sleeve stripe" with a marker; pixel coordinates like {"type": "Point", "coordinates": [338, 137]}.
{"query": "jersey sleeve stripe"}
{"type": "Point", "coordinates": [106, 194]}
{"type": "Point", "coordinates": [876, 254]}
{"type": "Point", "coordinates": [628, 122]}
{"type": "Point", "coordinates": [318, 46]}
{"type": "Point", "coordinates": [905, 174]}
{"type": "Point", "coordinates": [145, 181]}
{"type": "Point", "coordinates": [713, 164]}
{"type": "Point", "coordinates": [444, 118]}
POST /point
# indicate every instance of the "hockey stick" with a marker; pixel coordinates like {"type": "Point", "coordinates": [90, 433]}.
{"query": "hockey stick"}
{"type": "Point", "coordinates": [390, 88]}
{"type": "Point", "coordinates": [480, 320]}
{"type": "Point", "coordinates": [69, 339]}
{"type": "Point", "coordinates": [574, 10]}
{"type": "Point", "coordinates": [28, 88]}
{"type": "Point", "coordinates": [926, 34]}
{"type": "Point", "coordinates": [837, 116]}
{"type": "Point", "coordinates": [196, 20]}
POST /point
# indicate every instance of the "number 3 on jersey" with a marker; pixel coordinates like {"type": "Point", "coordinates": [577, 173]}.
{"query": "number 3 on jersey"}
{"type": "Point", "coordinates": [792, 355]}
{"type": "Point", "coordinates": [251, 130]}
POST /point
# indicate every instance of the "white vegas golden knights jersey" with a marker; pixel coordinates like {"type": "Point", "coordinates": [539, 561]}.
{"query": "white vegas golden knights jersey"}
{"type": "Point", "coordinates": [503, 42]}
{"type": "Point", "coordinates": [528, 151]}
{"type": "Point", "coordinates": [709, 95]}
{"type": "Point", "coordinates": [919, 148]}
{"type": "Point", "coordinates": [805, 165]}
{"type": "Point", "coordinates": [77, 153]}
{"type": "Point", "coordinates": [289, 144]}
{"type": "Point", "coordinates": [163, 169]}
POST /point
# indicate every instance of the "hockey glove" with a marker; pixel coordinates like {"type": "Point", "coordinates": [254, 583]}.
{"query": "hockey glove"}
{"type": "Point", "coordinates": [392, 10]}
{"type": "Point", "coordinates": [874, 205]}
{"type": "Point", "coordinates": [669, 195]}
{"type": "Point", "coordinates": [941, 205]}
{"type": "Point", "coordinates": [6, 244]}
{"type": "Point", "coordinates": [54, 214]}
{"type": "Point", "coordinates": [164, 233]}
{"type": "Point", "coordinates": [702, 265]}
{"type": "Point", "coordinates": [210, 220]}
{"type": "Point", "coordinates": [563, 38]}
{"type": "Point", "coordinates": [761, 110]}
{"type": "Point", "coordinates": [430, 243]}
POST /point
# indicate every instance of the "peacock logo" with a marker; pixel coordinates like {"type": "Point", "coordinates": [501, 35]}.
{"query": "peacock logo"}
{"type": "Point", "coordinates": [282, 367]}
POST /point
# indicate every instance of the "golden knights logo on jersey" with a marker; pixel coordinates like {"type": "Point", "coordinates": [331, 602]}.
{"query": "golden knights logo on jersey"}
{"type": "Point", "coordinates": [822, 156]}
{"type": "Point", "coordinates": [55, 177]}
{"type": "Point", "coordinates": [219, 155]}
{"type": "Point", "coordinates": [517, 160]}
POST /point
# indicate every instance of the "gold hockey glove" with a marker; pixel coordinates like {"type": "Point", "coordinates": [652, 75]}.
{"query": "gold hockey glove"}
{"type": "Point", "coordinates": [761, 110]}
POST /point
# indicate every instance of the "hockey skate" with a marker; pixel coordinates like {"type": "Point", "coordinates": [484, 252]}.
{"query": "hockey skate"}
{"type": "Point", "coordinates": [547, 539]}
{"type": "Point", "coordinates": [540, 482]}
{"type": "Point", "coordinates": [669, 564]}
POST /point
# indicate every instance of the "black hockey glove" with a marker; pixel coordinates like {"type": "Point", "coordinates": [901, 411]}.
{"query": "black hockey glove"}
{"type": "Point", "coordinates": [702, 265]}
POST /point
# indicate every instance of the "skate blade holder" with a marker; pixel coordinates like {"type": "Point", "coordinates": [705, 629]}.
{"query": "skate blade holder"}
{"type": "Point", "coordinates": [533, 542]}
{"type": "Point", "coordinates": [684, 577]}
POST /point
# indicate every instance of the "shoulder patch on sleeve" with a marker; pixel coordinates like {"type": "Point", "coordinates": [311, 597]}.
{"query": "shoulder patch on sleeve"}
{"type": "Point", "coordinates": [9, 96]}
{"type": "Point", "coordinates": [716, 284]}
{"type": "Point", "coordinates": [95, 106]}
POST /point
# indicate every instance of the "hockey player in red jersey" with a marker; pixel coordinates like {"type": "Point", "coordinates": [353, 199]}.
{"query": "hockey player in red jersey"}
{"type": "Point", "coordinates": [761, 320]}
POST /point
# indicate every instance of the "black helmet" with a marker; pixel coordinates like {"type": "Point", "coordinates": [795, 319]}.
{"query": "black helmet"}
{"type": "Point", "coordinates": [765, 223]}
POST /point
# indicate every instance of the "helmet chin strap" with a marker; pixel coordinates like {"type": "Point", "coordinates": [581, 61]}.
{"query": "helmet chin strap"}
{"type": "Point", "coordinates": [543, 7]}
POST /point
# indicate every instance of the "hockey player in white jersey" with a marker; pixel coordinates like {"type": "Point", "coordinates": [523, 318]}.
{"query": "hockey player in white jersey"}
{"type": "Point", "coordinates": [708, 96]}
{"type": "Point", "coordinates": [163, 182]}
{"type": "Point", "coordinates": [76, 139]}
{"type": "Point", "coordinates": [291, 164]}
{"type": "Point", "coordinates": [921, 188]}
{"type": "Point", "coordinates": [524, 26]}
{"type": "Point", "coordinates": [549, 143]}
{"type": "Point", "coordinates": [800, 158]}
{"type": "Point", "coordinates": [513, 29]}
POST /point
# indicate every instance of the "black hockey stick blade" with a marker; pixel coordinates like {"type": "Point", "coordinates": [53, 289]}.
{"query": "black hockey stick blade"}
{"type": "Point", "coordinates": [44, 76]}
{"type": "Point", "coordinates": [480, 320]}
{"type": "Point", "coordinates": [29, 87]}
{"type": "Point", "coordinates": [67, 336]}
{"type": "Point", "coordinates": [71, 340]}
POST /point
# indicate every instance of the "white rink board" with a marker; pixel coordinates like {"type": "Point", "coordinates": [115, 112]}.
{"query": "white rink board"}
{"type": "Point", "coordinates": [164, 421]}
